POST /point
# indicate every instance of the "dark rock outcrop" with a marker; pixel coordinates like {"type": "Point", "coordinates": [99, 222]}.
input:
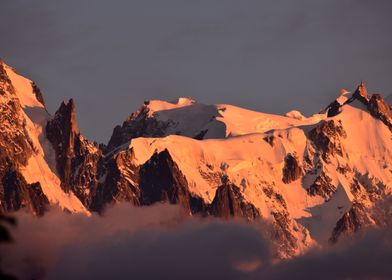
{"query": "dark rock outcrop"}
{"type": "Point", "coordinates": [375, 104]}
{"type": "Point", "coordinates": [5, 82]}
{"type": "Point", "coordinates": [139, 124]}
{"type": "Point", "coordinates": [283, 236]}
{"type": "Point", "coordinates": [361, 93]}
{"type": "Point", "coordinates": [16, 193]}
{"type": "Point", "coordinates": [333, 109]}
{"type": "Point", "coordinates": [270, 139]}
{"type": "Point", "coordinates": [87, 166]}
{"type": "Point", "coordinates": [38, 94]}
{"type": "Point", "coordinates": [380, 110]}
{"type": "Point", "coordinates": [16, 148]}
{"type": "Point", "coordinates": [322, 186]}
{"type": "Point", "coordinates": [61, 132]}
{"type": "Point", "coordinates": [79, 162]}
{"type": "Point", "coordinates": [119, 182]}
{"type": "Point", "coordinates": [326, 137]}
{"type": "Point", "coordinates": [15, 143]}
{"type": "Point", "coordinates": [229, 202]}
{"type": "Point", "coordinates": [352, 221]}
{"type": "Point", "coordinates": [291, 170]}
{"type": "Point", "coordinates": [162, 181]}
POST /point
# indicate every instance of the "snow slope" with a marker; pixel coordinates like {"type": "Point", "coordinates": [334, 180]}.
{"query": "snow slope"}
{"type": "Point", "coordinates": [249, 161]}
{"type": "Point", "coordinates": [187, 117]}
{"type": "Point", "coordinates": [41, 165]}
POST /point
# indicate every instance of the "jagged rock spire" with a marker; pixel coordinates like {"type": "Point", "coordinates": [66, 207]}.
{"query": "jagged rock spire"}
{"type": "Point", "coordinates": [380, 109]}
{"type": "Point", "coordinates": [61, 132]}
{"type": "Point", "coordinates": [361, 92]}
{"type": "Point", "coordinates": [68, 111]}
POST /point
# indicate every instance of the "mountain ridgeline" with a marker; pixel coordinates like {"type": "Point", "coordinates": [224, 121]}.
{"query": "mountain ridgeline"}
{"type": "Point", "coordinates": [315, 179]}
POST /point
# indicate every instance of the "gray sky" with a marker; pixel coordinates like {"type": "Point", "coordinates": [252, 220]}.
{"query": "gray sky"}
{"type": "Point", "coordinates": [270, 56]}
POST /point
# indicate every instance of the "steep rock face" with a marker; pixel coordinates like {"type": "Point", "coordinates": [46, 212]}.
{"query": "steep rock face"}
{"type": "Point", "coordinates": [18, 194]}
{"type": "Point", "coordinates": [352, 221]}
{"type": "Point", "coordinates": [286, 233]}
{"type": "Point", "coordinates": [380, 109]}
{"type": "Point", "coordinates": [61, 132]}
{"type": "Point", "coordinates": [15, 143]}
{"type": "Point", "coordinates": [86, 169]}
{"type": "Point", "coordinates": [326, 138]}
{"type": "Point", "coordinates": [16, 147]}
{"type": "Point", "coordinates": [118, 183]}
{"type": "Point", "coordinates": [162, 181]}
{"type": "Point", "coordinates": [38, 94]}
{"type": "Point", "coordinates": [333, 109]}
{"type": "Point", "coordinates": [361, 93]}
{"type": "Point", "coordinates": [137, 125]}
{"type": "Point", "coordinates": [79, 162]}
{"type": "Point", "coordinates": [365, 189]}
{"type": "Point", "coordinates": [160, 118]}
{"type": "Point", "coordinates": [292, 169]}
{"type": "Point", "coordinates": [283, 234]}
{"type": "Point", "coordinates": [322, 186]}
{"type": "Point", "coordinates": [229, 202]}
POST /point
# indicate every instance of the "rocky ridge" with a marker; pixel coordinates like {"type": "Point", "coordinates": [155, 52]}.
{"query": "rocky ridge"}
{"type": "Point", "coordinates": [306, 176]}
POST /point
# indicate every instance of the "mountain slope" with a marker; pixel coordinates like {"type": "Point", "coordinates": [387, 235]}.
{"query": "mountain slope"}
{"type": "Point", "coordinates": [23, 120]}
{"type": "Point", "coordinates": [314, 179]}
{"type": "Point", "coordinates": [186, 117]}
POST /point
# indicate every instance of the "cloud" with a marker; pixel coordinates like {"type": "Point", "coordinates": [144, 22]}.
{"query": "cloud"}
{"type": "Point", "coordinates": [364, 257]}
{"type": "Point", "coordinates": [133, 242]}
{"type": "Point", "coordinates": [158, 242]}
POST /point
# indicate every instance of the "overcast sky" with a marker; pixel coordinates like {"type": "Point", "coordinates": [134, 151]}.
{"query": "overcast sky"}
{"type": "Point", "coordinates": [270, 56]}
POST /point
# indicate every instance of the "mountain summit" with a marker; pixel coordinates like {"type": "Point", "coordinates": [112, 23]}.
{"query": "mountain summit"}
{"type": "Point", "coordinates": [361, 92]}
{"type": "Point", "coordinates": [315, 179]}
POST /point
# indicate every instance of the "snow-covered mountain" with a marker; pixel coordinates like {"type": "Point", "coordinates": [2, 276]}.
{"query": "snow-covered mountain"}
{"type": "Point", "coordinates": [314, 178]}
{"type": "Point", "coordinates": [188, 118]}
{"type": "Point", "coordinates": [27, 163]}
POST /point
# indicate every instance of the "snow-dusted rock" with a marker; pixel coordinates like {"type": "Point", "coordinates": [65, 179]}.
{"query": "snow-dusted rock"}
{"type": "Point", "coordinates": [311, 178]}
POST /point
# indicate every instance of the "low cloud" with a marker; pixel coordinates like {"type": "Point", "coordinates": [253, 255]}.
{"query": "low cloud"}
{"type": "Point", "coordinates": [158, 242]}
{"type": "Point", "coordinates": [133, 242]}
{"type": "Point", "coordinates": [363, 257]}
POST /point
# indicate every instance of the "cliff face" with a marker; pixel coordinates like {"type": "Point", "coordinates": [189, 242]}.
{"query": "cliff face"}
{"type": "Point", "coordinates": [61, 132]}
{"type": "Point", "coordinates": [16, 147]}
{"type": "Point", "coordinates": [314, 179]}
{"type": "Point", "coordinates": [78, 161]}
{"type": "Point", "coordinates": [28, 175]}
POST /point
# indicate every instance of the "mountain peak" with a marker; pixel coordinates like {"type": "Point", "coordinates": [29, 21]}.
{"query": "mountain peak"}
{"type": "Point", "coordinates": [361, 92]}
{"type": "Point", "coordinates": [67, 111]}
{"type": "Point", "coordinates": [302, 174]}
{"type": "Point", "coordinates": [61, 132]}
